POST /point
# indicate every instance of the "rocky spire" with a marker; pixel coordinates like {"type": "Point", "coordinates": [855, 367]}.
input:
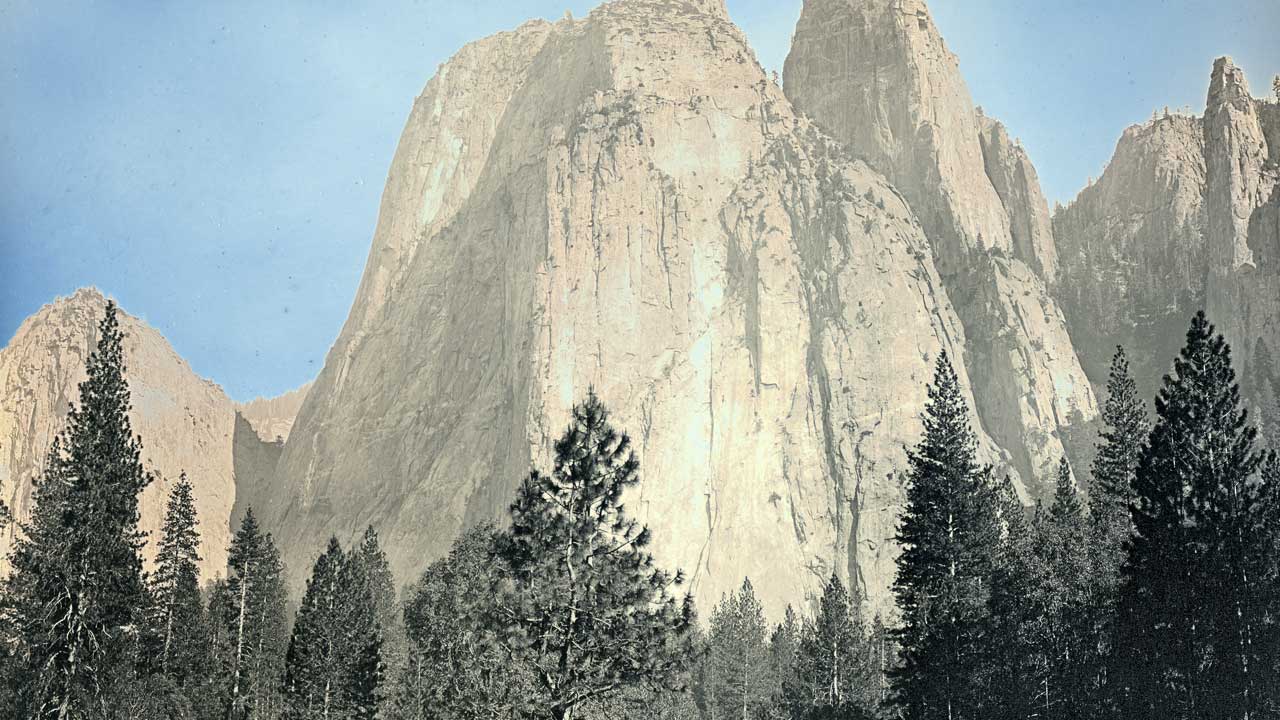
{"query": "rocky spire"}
{"type": "Point", "coordinates": [1236, 151]}
{"type": "Point", "coordinates": [879, 77]}
{"type": "Point", "coordinates": [1242, 201]}
{"type": "Point", "coordinates": [1016, 182]}
{"type": "Point", "coordinates": [1132, 250]}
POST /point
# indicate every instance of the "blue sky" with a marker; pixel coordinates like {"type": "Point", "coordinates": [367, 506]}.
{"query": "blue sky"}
{"type": "Point", "coordinates": [217, 166]}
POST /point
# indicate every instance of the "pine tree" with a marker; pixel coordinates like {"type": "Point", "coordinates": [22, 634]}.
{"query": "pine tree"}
{"type": "Point", "coordinates": [585, 607]}
{"type": "Point", "coordinates": [738, 674]}
{"type": "Point", "coordinates": [179, 633]}
{"type": "Point", "coordinates": [249, 616]}
{"type": "Point", "coordinates": [387, 609]}
{"type": "Point", "coordinates": [836, 659]}
{"type": "Point", "coordinates": [1193, 598]}
{"type": "Point", "coordinates": [76, 590]}
{"type": "Point", "coordinates": [315, 665]}
{"type": "Point", "coordinates": [1016, 607]}
{"type": "Point", "coordinates": [784, 651]}
{"type": "Point", "coordinates": [365, 681]}
{"type": "Point", "coordinates": [1268, 640]}
{"type": "Point", "coordinates": [1066, 643]}
{"type": "Point", "coordinates": [1126, 427]}
{"type": "Point", "coordinates": [948, 532]}
{"type": "Point", "coordinates": [883, 658]}
{"type": "Point", "coordinates": [455, 669]}
{"type": "Point", "coordinates": [360, 638]}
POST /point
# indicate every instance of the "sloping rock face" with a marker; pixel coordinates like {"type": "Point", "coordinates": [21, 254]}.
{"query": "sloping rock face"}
{"type": "Point", "coordinates": [1132, 250]}
{"type": "Point", "coordinates": [272, 418]}
{"type": "Point", "coordinates": [877, 75]}
{"type": "Point", "coordinates": [1016, 182]}
{"type": "Point", "coordinates": [186, 422]}
{"type": "Point", "coordinates": [627, 202]}
{"type": "Point", "coordinates": [1186, 216]}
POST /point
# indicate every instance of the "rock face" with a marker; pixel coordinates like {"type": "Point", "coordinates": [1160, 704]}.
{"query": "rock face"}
{"type": "Point", "coordinates": [272, 418]}
{"type": "Point", "coordinates": [877, 75]}
{"type": "Point", "coordinates": [1186, 216]}
{"type": "Point", "coordinates": [1015, 181]}
{"type": "Point", "coordinates": [186, 422]}
{"type": "Point", "coordinates": [1242, 201]}
{"type": "Point", "coordinates": [627, 202]}
{"type": "Point", "coordinates": [1132, 250]}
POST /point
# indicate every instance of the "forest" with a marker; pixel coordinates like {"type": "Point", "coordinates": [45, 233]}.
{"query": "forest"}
{"type": "Point", "coordinates": [1147, 586]}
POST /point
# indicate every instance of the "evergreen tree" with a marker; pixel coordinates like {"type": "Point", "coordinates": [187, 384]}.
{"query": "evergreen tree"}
{"type": "Point", "coordinates": [883, 658]}
{"type": "Point", "coordinates": [179, 633]}
{"type": "Point", "coordinates": [387, 610]}
{"type": "Point", "coordinates": [316, 669]}
{"type": "Point", "coordinates": [1193, 602]}
{"type": "Point", "coordinates": [784, 651]}
{"type": "Point", "coordinates": [1269, 639]}
{"type": "Point", "coordinates": [365, 681]}
{"type": "Point", "coordinates": [737, 678]}
{"type": "Point", "coordinates": [1126, 427]}
{"type": "Point", "coordinates": [1065, 646]}
{"type": "Point", "coordinates": [455, 669]}
{"type": "Point", "coordinates": [1015, 608]}
{"type": "Point", "coordinates": [249, 615]}
{"type": "Point", "coordinates": [360, 639]}
{"type": "Point", "coordinates": [76, 591]}
{"type": "Point", "coordinates": [585, 607]}
{"type": "Point", "coordinates": [949, 531]}
{"type": "Point", "coordinates": [836, 659]}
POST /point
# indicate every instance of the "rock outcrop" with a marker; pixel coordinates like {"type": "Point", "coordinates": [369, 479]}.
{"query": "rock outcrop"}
{"type": "Point", "coordinates": [186, 422]}
{"type": "Point", "coordinates": [1016, 183]}
{"type": "Point", "coordinates": [627, 202]}
{"type": "Point", "coordinates": [1132, 251]}
{"type": "Point", "coordinates": [1186, 216]}
{"type": "Point", "coordinates": [1242, 207]}
{"type": "Point", "coordinates": [272, 418]}
{"type": "Point", "coordinates": [877, 75]}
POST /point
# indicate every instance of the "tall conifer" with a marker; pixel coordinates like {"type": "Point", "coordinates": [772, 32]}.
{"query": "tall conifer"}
{"type": "Point", "coordinates": [1193, 600]}
{"type": "Point", "coordinates": [249, 610]}
{"type": "Point", "coordinates": [455, 669]}
{"type": "Point", "coordinates": [836, 659]}
{"type": "Point", "coordinates": [76, 588]}
{"type": "Point", "coordinates": [315, 665]}
{"type": "Point", "coordinates": [784, 652]}
{"type": "Point", "coordinates": [738, 676]}
{"type": "Point", "coordinates": [585, 606]}
{"type": "Point", "coordinates": [179, 633]}
{"type": "Point", "coordinates": [949, 531]}
{"type": "Point", "coordinates": [1125, 430]}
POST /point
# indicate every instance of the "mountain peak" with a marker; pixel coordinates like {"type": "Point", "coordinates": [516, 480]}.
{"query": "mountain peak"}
{"type": "Point", "coordinates": [1227, 84]}
{"type": "Point", "coordinates": [186, 422]}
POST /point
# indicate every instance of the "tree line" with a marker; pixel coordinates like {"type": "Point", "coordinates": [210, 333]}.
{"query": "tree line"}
{"type": "Point", "coordinates": [1156, 593]}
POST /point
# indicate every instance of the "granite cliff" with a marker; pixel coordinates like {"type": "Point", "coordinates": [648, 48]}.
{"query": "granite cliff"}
{"type": "Point", "coordinates": [1186, 216]}
{"type": "Point", "coordinates": [187, 423]}
{"type": "Point", "coordinates": [877, 75]}
{"type": "Point", "coordinates": [756, 282]}
{"type": "Point", "coordinates": [628, 202]}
